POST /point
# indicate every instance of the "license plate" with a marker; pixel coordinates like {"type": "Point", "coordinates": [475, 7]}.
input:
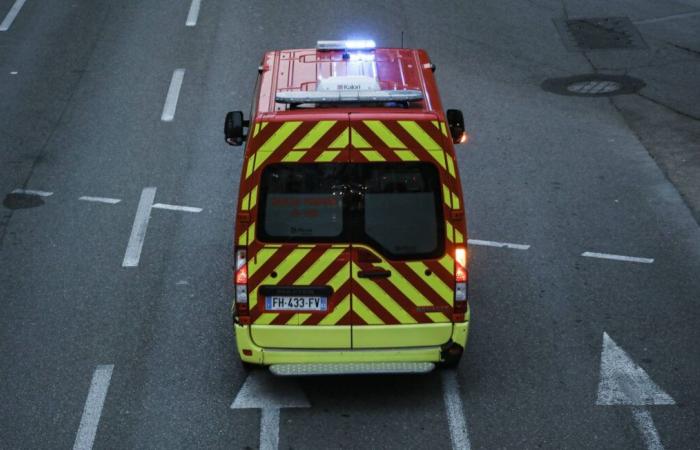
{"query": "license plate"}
{"type": "Point", "coordinates": [295, 303]}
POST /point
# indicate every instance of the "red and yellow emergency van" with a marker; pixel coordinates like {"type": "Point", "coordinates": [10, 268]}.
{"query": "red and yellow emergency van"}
{"type": "Point", "coordinates": [350, 237]}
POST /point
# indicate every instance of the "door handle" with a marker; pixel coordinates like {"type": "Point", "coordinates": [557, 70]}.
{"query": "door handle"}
{"type": "Point", "coordinates": [374, 273]}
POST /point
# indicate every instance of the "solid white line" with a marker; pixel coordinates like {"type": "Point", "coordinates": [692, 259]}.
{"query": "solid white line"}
{"type": "Point", "coordinates": [269, 429]}
{"type": "Point", "coordinates": [111, 201]}
{"type": "Point", "coordinates": [662, 19]}
{"type": "Point", "coordinates": [138, 231]}
{"type": "Point", "coordinates": [10, 17]}
{"type": "Point", "coordinates": [32, 192]}
{"type": "Point", "coordinates": [498, 244]}
{"type": "Point", "coordinates": [455, 411]}
{"type": "Point", "coordinates": [93, 407]}
{"type": "Point", "coordinates": [194, 13]}
{"type": "Point", "coordinates": [177, 207]}
{"type": "Point", "coordinates": [645, 424]}
{"type": "Point", "coordinates": [618, 257]}
{"type": "Point", "coordinates": [173, 94]}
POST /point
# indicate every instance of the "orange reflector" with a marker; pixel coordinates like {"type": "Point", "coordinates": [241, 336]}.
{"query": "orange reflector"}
{"type": "Point", "coordinates": [242, 275]}
{"type": "Point", "coordinates": [247, 352]}
{"type": "Point", "coordinates": [460, 275]}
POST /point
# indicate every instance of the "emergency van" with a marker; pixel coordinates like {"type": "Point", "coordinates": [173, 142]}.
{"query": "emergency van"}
{"type": "Point", "coordinates": [350, 236]}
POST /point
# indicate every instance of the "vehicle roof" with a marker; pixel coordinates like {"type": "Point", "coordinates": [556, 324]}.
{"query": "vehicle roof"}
{"type": "Point", "coordinates": [301, 70]}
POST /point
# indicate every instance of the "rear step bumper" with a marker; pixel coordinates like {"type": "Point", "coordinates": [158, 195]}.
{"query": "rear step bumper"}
{"type": "Point", "coordinates": [351, 368]}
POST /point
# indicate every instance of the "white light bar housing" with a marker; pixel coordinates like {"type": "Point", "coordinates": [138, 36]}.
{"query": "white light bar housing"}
{"type": "Point", "coordinates": [365, 44]}
{"type": "Point", "coordinates": [356, 96]}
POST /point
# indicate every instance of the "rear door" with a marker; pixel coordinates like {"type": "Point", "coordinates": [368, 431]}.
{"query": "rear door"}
{"type": "Point", "coordinates": [402, 269]}
{"type": "Point", "coordinates": [298, 249]}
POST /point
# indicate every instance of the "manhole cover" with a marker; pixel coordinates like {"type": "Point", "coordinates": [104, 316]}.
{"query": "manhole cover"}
{"type": "Point", "coordinates": [599, 33]}
{"type": "Point", "coordinates": [22, 201]}
{"type": "Point", "coordinates": [593, 85]}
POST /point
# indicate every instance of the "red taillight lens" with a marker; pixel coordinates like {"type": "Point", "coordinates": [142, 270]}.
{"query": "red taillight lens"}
{"type": "Point", "coordinates": [241, 284]}
{"type": "Point", "coordinates": [242, 275]}
{"type": "Point", "coordinates": [460, 265]}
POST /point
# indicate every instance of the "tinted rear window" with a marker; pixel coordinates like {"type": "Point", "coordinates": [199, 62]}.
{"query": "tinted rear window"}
{"type": "Point", "coordinates": [393, 207]}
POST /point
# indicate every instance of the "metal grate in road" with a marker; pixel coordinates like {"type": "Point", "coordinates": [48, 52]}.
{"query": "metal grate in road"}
{"type": "Point", "coordinates": [599, 33]}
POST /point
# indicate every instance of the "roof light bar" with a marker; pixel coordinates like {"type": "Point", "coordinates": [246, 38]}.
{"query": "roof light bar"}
{"type": "Point", "coordinates": [364, 44]}
{"type": "Point", "coordinates": [355, 96]}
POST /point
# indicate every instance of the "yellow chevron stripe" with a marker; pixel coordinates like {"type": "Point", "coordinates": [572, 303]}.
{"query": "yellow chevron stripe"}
{"type": "Point", "coordinates": [439, 157]}
{"type": "Point", "coordinates": [459, 237]}
{"type": "Point", "coordinates": [265, 318]}
{"type": "Point", "coordinates": [448, 263]}
{"type": "Point", "coordinates": [444, 128]}
{"type": "Point", "coordinates": [340, 310]}
{"type": "Point", "coordinates": [254, 197]}
{"type": "Point", "coordinates": [298, 318]}
{"type": "Point", "coordinates": [437, 317]}
{"type": "Point", "coordinates": [357, 140]}
{"type": "Point", "coordinates": [315, 134]}
{"type": "Point", "coordinates": [342, 140]}
{"type": "Point", "coordinates": [328, 155]}
{"type": "Point", "coordinates": [450, 165]}
{"type": "Point", "coordinates": [285, 266]}
{"type": "Point", "coordinates": [340, 277]}
{"type": "Point", "coordinates": [389, 138]}
{"type": "Point", "coordinates": [318, 266]}
{"type": "Point", "coordinates": [263, 125]}
{"type": "Point", "coordinates": [274, 142]}
{"type": "Point", "coordinates": [435, 284]}
{"type": "Point", "coordinates": [449, 231]}
{"type": "Point", "coordinates": [447, 196]}
{"type": "Point", "coordinates": [385, 301]}
{"type": "Point", "coordinates": [247, 236]}
{"type": "Point", "coordinates": [372, 155]}
{"type": "Point", "coordinates": [365, 313]}
{"type": "Point", "coordinates": [455, 201]}
{"type": "Point", "coordinates": [294, 156]}
{"type": "Point", "coordinates": [406, 155]}
{"type": "Point", "coordinates": [435, 123]}
{"type": "Point", "coordinates": [249, 166]}
{"type": "Point", "coordinates": [256, 129]}
{"type": "Point", "coordinates": [419, 135]}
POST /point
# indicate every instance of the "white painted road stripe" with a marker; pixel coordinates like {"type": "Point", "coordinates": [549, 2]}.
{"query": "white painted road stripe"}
{"type": "Point", "coordinates": [111, 201]}
{"type": "Point", "coordinates": [10, 17]}
{"type": "Point", "coordinates": [93, 407]}
{"type": "Point", "coordinates": [455, 411]}
{"type": "Point", "coordinates": [618, 257]}
{"type": "Point", "coordinates": [177, 207]}
{"type": "Point", "coordinates": [499, 244]}
{"type": "Point", "coordinates": [269, 429]}
{"type": "Point", "coordinates": [173, 94]}
{"type": "Point", "coordinates": [138, 231]}
{"type": "Point", "coordinates": [194, 13]}
{"type": "Point", "coordinates": [645, 424]}
{"type": "Point", "coordinates": [32, 192]}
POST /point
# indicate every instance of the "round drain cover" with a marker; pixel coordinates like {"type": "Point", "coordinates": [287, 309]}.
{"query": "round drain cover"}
{"type": "Point", "coordinates": [593, 85]}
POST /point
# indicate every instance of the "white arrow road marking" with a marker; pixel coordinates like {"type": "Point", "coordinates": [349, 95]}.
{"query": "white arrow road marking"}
{"type": "Point", "coordinates": [93, 407]}
{"type": "Point", "coordinates": [32, 192]}
{"type": "Point", "coordinates": [10, 17]}
{"type": "Point", "coordinates": [191, 209]}
{"type": "Point", "coordinates": [617, 257]}
{"type": "Point", "coordinates": [498, 244]}
{"type": "Point", "coordinates": [173, 94]}
{"type": "Point", "coordinates": [268, 393]}
{"type": "Point", "coordinates": [194, 13]}
{"type": "Point", "coordinates": [455, 411]}
{"type": "Point", "coordinates": [111, 201]}
{"type": "Point", "coordinates": [138, 230]}
{"type": "Point", "coordinates": [623, 382]}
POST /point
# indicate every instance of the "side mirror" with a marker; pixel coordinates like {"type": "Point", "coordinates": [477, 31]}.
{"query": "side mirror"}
{"type": "Point", "coordinates": [234, 128]}
{"type": "Point", "coordinates": [455, 120]}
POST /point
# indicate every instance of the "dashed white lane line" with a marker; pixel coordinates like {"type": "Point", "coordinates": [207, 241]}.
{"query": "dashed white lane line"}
{"type": "Point", "coordinates": [93, 407]}
{"type": "Point", "coordinates": [618, 257]}
{"type": "Point", "coordinates": [173, 94]}
{"type": "Point", "coordinates": [499, 244]}
{"type": "Point", "coordinates": [194, 13]}
{"type": "Point", "coordinates": [10, 17]}
{"type": "Point", "coordinates": [138, 230]}
{"type": "Point", "coordinates": [455, 411]}
{"type": "Point", "coordinates": [111, 201]}
{"type": "Point", "coordinates": [33, 192]}
{"type": "Point", "coordinates": [191, 209]}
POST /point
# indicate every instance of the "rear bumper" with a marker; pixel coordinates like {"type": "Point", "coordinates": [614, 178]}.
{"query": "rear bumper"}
{"type": "Point", "coordinates": [251, 353]}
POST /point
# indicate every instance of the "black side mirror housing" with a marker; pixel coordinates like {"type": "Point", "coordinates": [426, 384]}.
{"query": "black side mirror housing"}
{"type": "Point", "coordinates": [455, 121]}
{"type": "Point", "coordinates": [234, 128]}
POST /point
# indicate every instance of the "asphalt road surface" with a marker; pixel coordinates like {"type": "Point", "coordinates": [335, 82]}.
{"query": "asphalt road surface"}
{"type": "Point", "coordinates": [565, 351]}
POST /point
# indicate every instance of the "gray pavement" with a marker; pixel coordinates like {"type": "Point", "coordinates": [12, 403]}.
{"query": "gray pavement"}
{"type": "Point", "coordinates": [564, 175]}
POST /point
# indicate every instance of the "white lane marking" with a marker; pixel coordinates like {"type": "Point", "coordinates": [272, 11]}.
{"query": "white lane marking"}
{"type": "Point", "coordinates": [14, 72]}
{"type": "Point", "coordinates": [138, 231]}
{"type": "Point", "coordinates": [498, 244]}
{"type": "Point", "coordinates": [173, 94]}
{"type": "Point", "coordinates": [194, 13]}
{"type": "Point", "coordinates": [93, 407]}
{"type": "Point", "coordinates": [32, 192]}
{"type": "Point", "coordinates": [618, 257]}
{"type": "Point", "coordinates": [111, 201]}
{"type": "Point", "coordinates": [264, 391]}
{"type": "Point", "coordinates": [191, 209]}
{"type": "Point", "coordinates": [455, 411]}
{"type": "Point", "coordinates": [10, 17]}
{"type": "Point", "coordinates": [645, 425]}
{"type": "Point", "coordinates": [672, 17]}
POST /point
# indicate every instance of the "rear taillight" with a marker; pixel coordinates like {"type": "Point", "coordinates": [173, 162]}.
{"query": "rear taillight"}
{"type": "Point", "coordinates": [241, 283]}
{"type": "Point", "coordinates": [461, 295]}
